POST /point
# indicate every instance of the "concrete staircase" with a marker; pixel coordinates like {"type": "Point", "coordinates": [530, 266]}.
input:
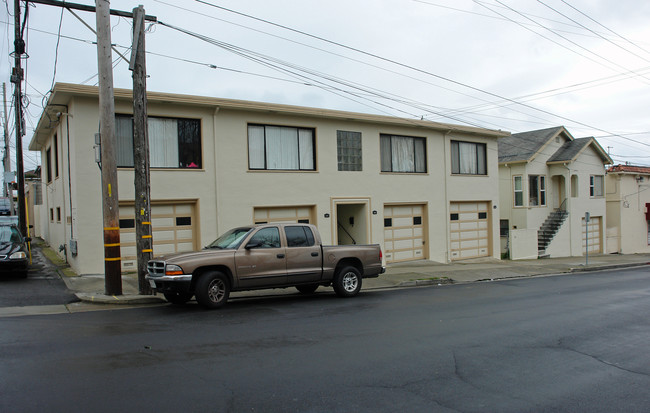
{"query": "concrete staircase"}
{"type": "Point", "coordinates": [549, 228]}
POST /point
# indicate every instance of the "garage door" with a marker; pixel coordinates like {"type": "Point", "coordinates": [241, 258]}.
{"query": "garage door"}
{"type": "Point", "coordinates": [469, 230]}
{"type": "Point", "coordinates": [174, 230]}
{"type": "Point", "coordinates": [302, 214]}
{"type": "Point", "coordinates": [404, 235]}
{"type": "Point", "coordinates": [595, 232]}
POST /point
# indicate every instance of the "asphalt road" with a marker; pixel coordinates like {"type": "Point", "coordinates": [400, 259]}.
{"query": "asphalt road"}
{"type": "Point", "coordinates": [42, 286]}
{"type": "Point", "coordinates": [572, 343]}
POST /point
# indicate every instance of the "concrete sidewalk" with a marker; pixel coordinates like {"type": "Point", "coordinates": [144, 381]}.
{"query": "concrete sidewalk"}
{"type": "Point", "coordinates": [90, 288]}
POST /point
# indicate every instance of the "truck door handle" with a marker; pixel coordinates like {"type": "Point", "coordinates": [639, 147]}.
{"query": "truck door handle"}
{"type": "Point", "coordinates": [314, 254]}
{"type": "Point", "coordinates": [280, 255]}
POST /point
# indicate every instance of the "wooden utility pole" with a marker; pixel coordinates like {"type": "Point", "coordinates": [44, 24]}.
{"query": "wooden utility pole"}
{"type": "Point", "coordinates": [110, 204]}
{"type": "Point", "coordinates": [6, 159]}
{"type": "Point", "coordinates": [143, 230]}
{"type": "Point", "coordinates": [17, 79]}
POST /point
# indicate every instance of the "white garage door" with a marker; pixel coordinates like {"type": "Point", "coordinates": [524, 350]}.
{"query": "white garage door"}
{"type": "Point", "coordinates": [469, 230]}
{"type": "Point", "coordinates": [302, 214]}
{"type": "Point", "coordinates": [594, 231]}
{"type": "Point", "coordinates": [173, 226]}
{"type": "Point", "coordinates": [404, 235]}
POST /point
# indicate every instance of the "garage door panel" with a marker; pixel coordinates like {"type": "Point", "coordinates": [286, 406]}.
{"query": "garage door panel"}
{"type": "Point", "coordinates": [283, 214]}
{"type": "Point", "coordinates": [403, 239]}
{"type": "Point", "coordinates": [402, 233]}
{"type": "Point", "coordinates": [469, 232]}
{"type": "Point", "coordinates": [594, 230]}
{"type": "Point", "coordinates": [172, 226]}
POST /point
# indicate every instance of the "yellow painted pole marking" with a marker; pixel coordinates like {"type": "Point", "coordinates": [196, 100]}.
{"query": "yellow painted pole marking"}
{"type": "Point", "coordinates": [112, 245]}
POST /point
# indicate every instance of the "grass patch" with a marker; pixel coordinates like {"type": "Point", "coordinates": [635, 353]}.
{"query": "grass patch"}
{"type": "Point", "coordinates": [52, 256]}
{"type": "Point", "coordinates": [59, 262]}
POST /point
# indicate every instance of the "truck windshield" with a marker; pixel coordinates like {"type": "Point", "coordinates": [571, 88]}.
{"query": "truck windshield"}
{"type": "Point", "coordinates": [231, 239]}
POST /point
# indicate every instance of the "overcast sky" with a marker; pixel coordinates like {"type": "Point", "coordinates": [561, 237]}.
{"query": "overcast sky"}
{"type": "Point", "coordinates": [501, 64]}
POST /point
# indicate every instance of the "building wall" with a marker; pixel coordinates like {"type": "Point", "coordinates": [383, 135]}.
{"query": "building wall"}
{"type": "Point", "coordinates": [627, 228]}
{"type": "Point", "coordinates": [568, 241]}
{"type": "Point", "coordinates": [226, 191]}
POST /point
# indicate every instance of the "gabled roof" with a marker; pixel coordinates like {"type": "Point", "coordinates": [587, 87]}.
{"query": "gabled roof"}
{"type": "Point", "coordinates": [572, 149]}
{"type": "Point", "coordinates": [631, 169]}
{"type": "Point", "coordinates": [524, 146]}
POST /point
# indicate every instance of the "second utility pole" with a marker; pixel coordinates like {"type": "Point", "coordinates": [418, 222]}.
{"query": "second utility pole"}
{"type": "Point", "coordinates": [110, 202]}
{"type": "Point", "coordinates": [143, 229]}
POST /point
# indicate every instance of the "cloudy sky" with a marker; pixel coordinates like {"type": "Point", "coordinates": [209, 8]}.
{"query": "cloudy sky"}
{"type": "Point", "coordinates": [501, 64]}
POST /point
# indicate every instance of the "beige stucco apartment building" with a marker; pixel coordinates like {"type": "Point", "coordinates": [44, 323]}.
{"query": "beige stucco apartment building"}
{"type": "Point", "coordinates": [548, 182]}
{"type": "Point", "coordinates": [628, 209]}
{"type": "Point", "coordinates": [423, 190]}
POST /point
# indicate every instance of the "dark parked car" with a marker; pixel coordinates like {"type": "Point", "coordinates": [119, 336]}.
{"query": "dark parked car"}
{"type": "Point", "coordinates": [5, 206]}
{"type": "Point", "coordinates": [14, 258]}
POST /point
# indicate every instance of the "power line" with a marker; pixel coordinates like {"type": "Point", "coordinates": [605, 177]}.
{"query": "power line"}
{"type": "Point", "coordinates": [422, 71]}
{"type": "Point", "coordinates": [607, 28]}
{"type": "Point", "coordinates": [588, 29]}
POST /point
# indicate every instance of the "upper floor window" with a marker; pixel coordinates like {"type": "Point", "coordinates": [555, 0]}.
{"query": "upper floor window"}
{"type": "Point", "coordinates": [596, 186]}
{"type": "Point", "coordinates": [536, 190]}
{"type": "Point", "coordinates": [48, 162]}
{"type": "Point", "coordinates": [518, 190]}
{"type": "Point", "coordinates": [281, 148]}
{"type": "Point", "coordinates": [348, 149]}
{"type": "Point", "coordinates": [468, 158]}
{"type": "Point", "coordinates": [173, 143]}
{"type": "Point", "coordinates": [56, 156]}
{"type": "Point", "coordinates": [403, 154]}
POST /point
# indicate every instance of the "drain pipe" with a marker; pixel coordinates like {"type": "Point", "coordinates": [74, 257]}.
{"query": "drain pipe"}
{"type": "Point", "coordinates": [568, 207]}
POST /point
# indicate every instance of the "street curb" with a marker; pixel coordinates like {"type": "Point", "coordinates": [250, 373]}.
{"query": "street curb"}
{"type": "Point", "coordinates": [129, 299]}
{"type": "Point", "coordinates": [608, 267]}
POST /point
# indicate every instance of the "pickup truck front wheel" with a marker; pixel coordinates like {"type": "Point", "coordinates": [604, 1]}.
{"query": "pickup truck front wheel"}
{"type": "Point", "coordinates": [347, 282]}
{"type": "Point", "coordinates": [212, 289]}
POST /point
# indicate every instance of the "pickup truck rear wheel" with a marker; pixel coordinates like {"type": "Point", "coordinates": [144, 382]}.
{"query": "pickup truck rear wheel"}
{"type": "Point", "coordinates": [177, 298]}
{"type": "Point", "coordinates": [212, 289]}
{"type": "Point", "coordinates": [347, 282]}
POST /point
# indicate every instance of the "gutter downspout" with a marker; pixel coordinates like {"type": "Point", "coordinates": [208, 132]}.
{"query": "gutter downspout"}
{"type": "Point", "coordinates": [447, 203]}
{"type": "Point", "coordinates": [568, 207]}
{"type": "Point", "coordinates": [216, 167]}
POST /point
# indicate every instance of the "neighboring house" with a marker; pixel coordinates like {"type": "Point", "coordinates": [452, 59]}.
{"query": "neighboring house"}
{"type": "Point", "coordinates": [548, 181]}
{"type": "Point", "coordinates": [33, 199]}
{"type": "Point", "coordinates": [423, 190]}
{"type": "Point", "coordinates": [628, 209]}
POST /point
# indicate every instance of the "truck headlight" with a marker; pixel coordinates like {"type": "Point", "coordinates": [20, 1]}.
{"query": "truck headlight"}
{"type": "Point", "coordinates": [172, 269]}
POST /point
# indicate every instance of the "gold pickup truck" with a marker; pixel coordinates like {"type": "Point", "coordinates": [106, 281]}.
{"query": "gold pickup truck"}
{"type": "Point", "coordinates": [260, 257]}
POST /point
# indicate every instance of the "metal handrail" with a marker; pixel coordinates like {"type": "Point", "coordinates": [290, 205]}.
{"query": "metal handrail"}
{"type": "Point", "coordinates": [347, 233]}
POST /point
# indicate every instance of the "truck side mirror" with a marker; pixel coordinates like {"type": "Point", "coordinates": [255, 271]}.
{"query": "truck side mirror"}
{"type": "Point", "coordinates": [253, 244]}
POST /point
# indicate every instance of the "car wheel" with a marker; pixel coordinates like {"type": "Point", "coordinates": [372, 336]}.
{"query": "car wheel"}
{"type": "Point", "coordinates": [212, 290]}
{"type": "Point", "coordinates": [347, 282]}
{"type": "Point", "coordinates": [307, 288]}
{"type": "Point", "coordinates": [177, 298]}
